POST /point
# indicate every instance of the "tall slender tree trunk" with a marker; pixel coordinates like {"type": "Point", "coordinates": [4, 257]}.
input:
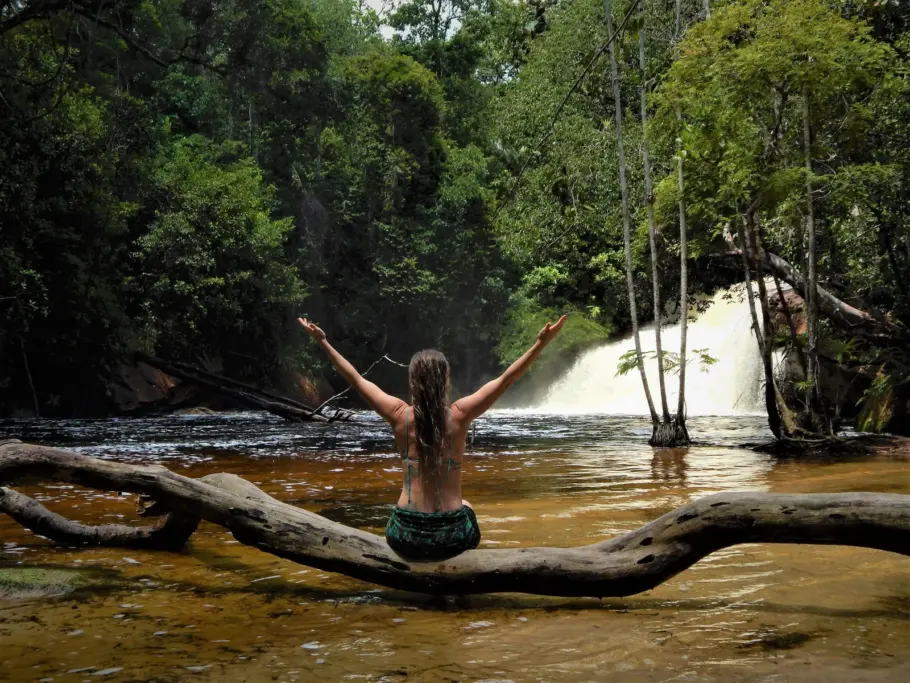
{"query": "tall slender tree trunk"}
{"type": "Point", "coordinates": [652, 230]}
{"type": "Point", "coordinates": [665, 434]}
{"type": "Point", "coordinates": [774, 418]}
{"type": "Point", "coordinates": [28, 375]}
{"type": "Point", "coordinates": [682, 433]}
{"type": "Point", "coordinates": [814, 404]}
{"type": "Point", "coordinates": [681, 430]}
{"type": "Point", "coordinates": [707, 9]}
{"type": "Point", "coordinates": [627, 230]}
{"type": "Point", "coordinates": [785, 415]}
{"type": "Point", "coordinates": [253, 151]}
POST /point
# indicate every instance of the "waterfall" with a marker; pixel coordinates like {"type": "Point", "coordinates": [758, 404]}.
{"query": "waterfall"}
{"type": "Point", "coordinates": [732, 386]}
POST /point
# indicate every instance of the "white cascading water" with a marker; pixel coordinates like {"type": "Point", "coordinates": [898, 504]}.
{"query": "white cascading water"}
{"type": "Point", "coordinates": [732, 386]}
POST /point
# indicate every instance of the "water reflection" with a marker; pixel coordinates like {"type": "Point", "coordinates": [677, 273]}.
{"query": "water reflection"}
{"type": "Point", "coordinates": [223, 611]}
{"type": "Point", "coordinates": [669, 464]}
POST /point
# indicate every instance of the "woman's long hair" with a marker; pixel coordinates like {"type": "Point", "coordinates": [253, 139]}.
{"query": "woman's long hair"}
{"type": "Point", "coordinates": [428, 379]}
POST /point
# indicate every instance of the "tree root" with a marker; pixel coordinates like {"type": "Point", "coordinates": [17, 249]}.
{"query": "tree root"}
{"type": "Point", "coordinates": [632, 563]}
{"type": "Point", "coordinates": [672, 434]}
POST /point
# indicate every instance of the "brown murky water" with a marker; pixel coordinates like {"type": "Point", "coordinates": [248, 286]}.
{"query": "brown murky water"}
{"type": "Point", "coordinates": [223, 612]}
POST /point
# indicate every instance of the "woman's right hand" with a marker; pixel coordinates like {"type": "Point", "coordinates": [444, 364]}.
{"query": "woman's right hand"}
{"type": "Point", "coordinates": [550, 330]}
{"type": "Point", "coordinates": [312, 329]}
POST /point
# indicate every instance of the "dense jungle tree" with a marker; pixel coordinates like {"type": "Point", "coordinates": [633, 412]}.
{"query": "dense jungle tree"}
{"type": "Point", "coordinates": [184, 178]}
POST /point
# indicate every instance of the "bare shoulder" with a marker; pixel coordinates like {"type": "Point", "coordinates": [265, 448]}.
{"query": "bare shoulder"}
{"type": "Point", "coordinates": [400, 415]}
{"type": "Point", "coordinates": [460, 419]}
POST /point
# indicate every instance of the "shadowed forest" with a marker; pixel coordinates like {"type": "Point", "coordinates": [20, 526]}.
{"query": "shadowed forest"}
{"type": "Point", "coordinates": [182, 179]}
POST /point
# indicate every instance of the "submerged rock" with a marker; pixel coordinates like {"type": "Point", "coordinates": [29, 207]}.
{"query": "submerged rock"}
{"type": "Point", "coordinates": [20, 583]}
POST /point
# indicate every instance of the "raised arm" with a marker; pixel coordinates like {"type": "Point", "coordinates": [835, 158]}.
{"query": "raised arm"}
{"type": "Point", "coordinates": [388, 407]}
{"type": "Point", "coordinates": [475, 405]}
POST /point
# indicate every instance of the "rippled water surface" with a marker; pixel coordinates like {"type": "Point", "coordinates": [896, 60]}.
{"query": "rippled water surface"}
{"type": "Point", "coordinates": [222, 611]}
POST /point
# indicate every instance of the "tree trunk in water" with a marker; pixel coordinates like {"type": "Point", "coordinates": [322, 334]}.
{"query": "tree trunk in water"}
{"type": "Point", "coordinates": [629, 564]}
{"type": "Point", "coordinates": [666, 433]}
{"type": "Point", "coordinates": [774, 420]}
{"type": "Point", "coordinates": [787, 422]}
{"type": "Point", "coordinates": [683, 433]}
{"type": "Point", "coordinates": [627, 230]}
{"type": "Point", "coordinates": [814, 405]}
{"type": "Point", "coordinates": [679, 422]}
{"type": "Point", "coordinates": [171, 534]}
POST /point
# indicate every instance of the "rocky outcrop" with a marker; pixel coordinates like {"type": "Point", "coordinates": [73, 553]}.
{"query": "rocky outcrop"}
{"type": "Point", "coordinates": [133, 387]}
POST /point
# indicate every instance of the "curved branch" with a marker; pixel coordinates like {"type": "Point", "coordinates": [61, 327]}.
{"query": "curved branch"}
{"type": "Point", "coordinates": [171, 534]}
{"type": "Point", "coordinates": [343, 392]}
{"type": "Point", "coordinates": [838, 311]}
{"type": "Point", "coordinates": [843, 314]}
{"type": "Point", "coordinates": [632, 563]}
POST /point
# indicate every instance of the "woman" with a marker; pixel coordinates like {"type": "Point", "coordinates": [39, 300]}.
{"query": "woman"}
{"type": "Point", "coordinates": [431, 521]}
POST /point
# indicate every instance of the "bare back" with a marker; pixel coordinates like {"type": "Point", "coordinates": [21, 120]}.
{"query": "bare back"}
{"type": "Point", "coordinates": [425, 488]}
{"type": "Point", "coordinates": [433, 489]}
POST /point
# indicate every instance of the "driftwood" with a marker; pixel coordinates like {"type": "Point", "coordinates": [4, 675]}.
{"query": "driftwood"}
{"type": "Point", "coordinates": [629, 564]}
{"type": "Point", "coordinates": [172, 533]}
{"type": "Point", "coordinates": [254, 397]}
{"type": "Point", "coordinates": [839, 312]}
{"type": "Point", "coordinates": [833, 308]}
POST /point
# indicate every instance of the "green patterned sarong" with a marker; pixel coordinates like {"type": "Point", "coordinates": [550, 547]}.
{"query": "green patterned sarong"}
{"type": "Point", "coordinates": [432, 535]}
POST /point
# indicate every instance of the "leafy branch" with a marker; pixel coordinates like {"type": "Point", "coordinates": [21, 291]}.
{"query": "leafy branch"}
{"type": "Point", "coordinates": [629, 361]}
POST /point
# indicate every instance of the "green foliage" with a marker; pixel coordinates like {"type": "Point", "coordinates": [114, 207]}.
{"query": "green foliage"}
{"type": "Point", "coordinates": [740, 80]}
{"type": "Point", "coordinates": [466, 44]}
{"type": "Point", "coordinates": [566, 212]}
{"type": "Point", "coordinates": [877, 403]}
{"type": "Point", "coordinates": [271, 158]}
{"type": "Point", "coordinates": [210, 269]}
{"type": "Point", "coordinates": [184, 181]}
{"type": "Point", "coordinates": [629, 361]}
{"type": "Point", "coordinates": [526, 319]}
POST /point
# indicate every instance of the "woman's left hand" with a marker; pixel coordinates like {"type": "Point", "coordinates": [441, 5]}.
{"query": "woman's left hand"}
{"type": "Point", "coordinates": [312, 329]}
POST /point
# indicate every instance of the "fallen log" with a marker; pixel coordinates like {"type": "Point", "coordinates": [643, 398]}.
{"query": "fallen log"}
{"type": "Point", "coordinates": [629, 564]}
{"type": "Point", "coordinates": [286, 408]}
{"type": "Point", "coordinates": [227, 381]}
{"type": "Point", "coordinates": [839, 312]}
{"type": "Point", "coordinates": [836, 310]}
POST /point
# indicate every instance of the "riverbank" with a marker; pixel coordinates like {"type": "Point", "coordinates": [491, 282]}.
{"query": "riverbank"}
{"type": "Point", "coordinates": [845, 445]}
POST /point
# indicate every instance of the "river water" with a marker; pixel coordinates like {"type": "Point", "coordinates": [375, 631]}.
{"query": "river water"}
{"type": "Point", "coordinates": [220, 611]}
